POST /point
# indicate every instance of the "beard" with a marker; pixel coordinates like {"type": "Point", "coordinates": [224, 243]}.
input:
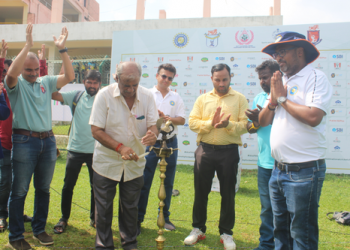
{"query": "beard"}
{"type": "Point", "coordinates": [92, 91]}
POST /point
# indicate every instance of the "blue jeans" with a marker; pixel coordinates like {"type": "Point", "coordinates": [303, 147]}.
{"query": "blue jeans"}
{"type": "Point", "coordinates": [148, 174]}
{"type": "Point", "coordinates": [31, 155]}
{"type": "Point", "coordinates": [295, 200]}
{"type": "Point", "coordinates": [5, 182]}
{"type": "Point", "coordinates": [266, 215]}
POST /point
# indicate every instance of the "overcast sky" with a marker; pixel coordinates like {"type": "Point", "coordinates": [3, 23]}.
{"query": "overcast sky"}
{"type": "Point", "coordinates": [293, 11]}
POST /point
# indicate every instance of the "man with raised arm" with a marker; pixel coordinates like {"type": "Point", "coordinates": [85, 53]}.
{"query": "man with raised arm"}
{"type": "Point", "coordinates": [299, 102]}
{"type": "Point", "coordinates": [34, 145]}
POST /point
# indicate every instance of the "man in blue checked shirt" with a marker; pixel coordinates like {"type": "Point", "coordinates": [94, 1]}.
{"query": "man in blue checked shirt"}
{"type": "Point", "coordinates": [265, 160]}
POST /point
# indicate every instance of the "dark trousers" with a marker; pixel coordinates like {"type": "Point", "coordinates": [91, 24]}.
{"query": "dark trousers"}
{"type": "Point", "coordinates": [74, 162]}
{"type": "Point", "coordinates": [129, 194]}
{"type": "Point", "coordinates": [225, 163]}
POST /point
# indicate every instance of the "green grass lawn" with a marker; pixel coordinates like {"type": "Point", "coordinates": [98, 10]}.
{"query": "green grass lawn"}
{"type": "Point", "coordinates": [60, 129]}
{"type": "Point", "coordinates": [79, 235]}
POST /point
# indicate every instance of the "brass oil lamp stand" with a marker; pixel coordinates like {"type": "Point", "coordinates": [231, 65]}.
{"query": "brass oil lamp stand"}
{"type": "Point", "coordinates": [162, 152]}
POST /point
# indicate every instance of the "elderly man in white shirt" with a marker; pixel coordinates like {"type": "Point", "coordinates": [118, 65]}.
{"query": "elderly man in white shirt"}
{"type": "Point", "coordinates": [123, 121]}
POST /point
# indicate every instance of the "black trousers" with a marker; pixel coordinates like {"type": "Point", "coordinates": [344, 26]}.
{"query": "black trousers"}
{"type": "Point", "coordinates": [225, 163]}
{"type": "Point", "coordinates": [74, 162]}
{"type": "Point", "coordinates": [129, 195]}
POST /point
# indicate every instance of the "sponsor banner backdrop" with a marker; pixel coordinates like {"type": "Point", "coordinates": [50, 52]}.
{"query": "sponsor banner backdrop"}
{"type": "Point", "coordinates": [194, 51]}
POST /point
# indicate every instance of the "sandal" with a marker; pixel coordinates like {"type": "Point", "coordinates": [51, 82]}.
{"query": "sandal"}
{"type": "Point", "coordinates": [3, 225]}
{"type": "Point", "coordinates": [60, 224]}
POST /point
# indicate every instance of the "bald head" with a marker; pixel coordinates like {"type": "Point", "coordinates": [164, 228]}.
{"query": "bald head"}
{"type": "Point", "coordinates": [31, 68]}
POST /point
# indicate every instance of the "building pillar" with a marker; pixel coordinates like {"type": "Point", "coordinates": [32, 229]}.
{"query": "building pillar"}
{"type": "Point", "coordinates": [277, 7]}
{"type": "Point", "coordinates": [206, 8]}
{"type": "Point", "coordinates": [56, 11]}
{"type": "Point", "coordinates": [31, 18]}
{"type": "Point", "coordinates": [140, 10]}
{"type": "Point", "coordinates": [162, 14]}
{"type": "Point", "coordinates": [271, 11]}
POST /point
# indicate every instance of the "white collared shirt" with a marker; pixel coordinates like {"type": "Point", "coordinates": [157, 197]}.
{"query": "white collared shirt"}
{"type": "Point", "coordinates": [171, 105]}
{"type": "Point", "coordinates": [291, 140]}
{"type": "Point", "coordinates": [111, 113]}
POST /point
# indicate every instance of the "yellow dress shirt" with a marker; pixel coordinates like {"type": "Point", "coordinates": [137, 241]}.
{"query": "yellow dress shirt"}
{"type": "Point", "coordinates": [203, 111]}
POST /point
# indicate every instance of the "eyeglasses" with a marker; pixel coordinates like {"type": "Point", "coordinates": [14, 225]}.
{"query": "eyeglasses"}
{"type": "Point", "coordinates": [281, 53]}
{"type": "Point", "coordinates": [165, 77]}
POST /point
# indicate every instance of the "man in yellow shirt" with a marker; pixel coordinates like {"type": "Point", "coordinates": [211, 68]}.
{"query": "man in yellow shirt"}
{"type": "Point", "coordinates": [219, 120]}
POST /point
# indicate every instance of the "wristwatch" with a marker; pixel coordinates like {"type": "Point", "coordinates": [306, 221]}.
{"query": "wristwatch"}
{"type": "Point", "coordinates": [281, 99]}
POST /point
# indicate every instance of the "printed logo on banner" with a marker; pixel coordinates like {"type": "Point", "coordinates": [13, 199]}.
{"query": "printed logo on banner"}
{"type": "Point", "coordinates": [181, 40]}
{"type": "Point", "coordinates": [202, 84]}
{"type": "Point", "coordinates": [204, 59]}
{"type": "Point", "coordinates": [184, 135]}
{"type": "Point", "coordinates": [337, 130]}
{"type": "Point", "coordinates": [174, 60]}
{"type": "Point", "coordinates": [337, 148]}
{"type": "Point", "coordinates": [332, 75]}
{"type": "Point", "coordinates": [337, 65]}
{"type": "Point", "coordinates": [251, 66]}
{"type": "Point", "coordinates": [232, 59]}
{"type": "Point", "coordinates": [232, 74]}
{"type": "Point", "coordinates": [188, 68]}
{"type": "Point", "coordinates": [185, 84]}
{"type": "Point", "coordinates": [160, 59]}
{"type": "Point", "coordinates": [132, 59]}
{"type": "Point", "coordinates": [336, 139]}
{"type": "Point", "coordinates": [174, 84]}
{"type": "Point", "coordinates": [202, 91]}
{"type": "Point", "coordinates": [145, 61]}
{"type": "Point", "coordinates": [244, 37]}
{"type": "Point", "coordinates": [220, 58]}
{"type": "Point", "coordinates": [337, 84]}
{"type": "Point", "coordinates": [251, 84]}
{"type": "Point", "coordinates": [189, 58]}
{"type": "Point", "coordinates": [338, 56]}
{"type": "Point", "coordinates": [319, 66]}
{"type": "Point", "coordinates": [144, 67]}
{"type": "Point", "coordinates": [145, 75]}
{"type": "Point", "coordinates": [187, 75]}
{"type": "Point", "coordinates": [251, 76]}
{"type": "Point", "coordinates": [293, 90]}
{"type": "Point", "coordinates": [313, 35]}
{"type": "Point", "coordinates": [212, 38]}
{"type": "Point", "coordinates": [188, 93]}
{"type": "Point", "coordinates": [186, 143]}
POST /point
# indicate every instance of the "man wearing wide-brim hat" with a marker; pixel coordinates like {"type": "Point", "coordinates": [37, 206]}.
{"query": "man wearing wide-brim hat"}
{"type": "Point", "coordinates": [299, 102]}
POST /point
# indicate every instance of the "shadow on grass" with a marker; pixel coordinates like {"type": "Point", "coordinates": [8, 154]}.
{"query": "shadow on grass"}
{"type": "Point", "coordinates": [248, 192]}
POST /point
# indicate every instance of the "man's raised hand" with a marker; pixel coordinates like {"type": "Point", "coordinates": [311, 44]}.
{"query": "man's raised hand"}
{"type": "Point", "coordinates": [41, 53]}
{"type": "Point", "coordinates": [29, 35]}
{"type": "Point", "coordinates": [61, 41]}
{"type": "Point", "coordinates": [3, 51]}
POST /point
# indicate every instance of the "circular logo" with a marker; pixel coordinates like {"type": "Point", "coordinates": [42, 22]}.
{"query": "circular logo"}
{"type": "Point", "coordinates": [232, 74]}
{"type": "Point", "coordinates": [293, 90]}
{"type": "Point", "coordinates": [245, 145]}
{"type": "Point", "coordinates": [172, 103]}
{"type": "Point", "coordinates": [180, 40]}
{"type": "Point", "coordinates": [185, 84]}
{"type": "Point", "coordinates": [332, 75]}
{"type": "Point", "coordinates": [186, 143]}
{"type": "Point", "coordinates": [334, 56]}
{"type": "Point", "coordinates": [333, 111]}
{"type": "Point", "coordinates": [232, 59]}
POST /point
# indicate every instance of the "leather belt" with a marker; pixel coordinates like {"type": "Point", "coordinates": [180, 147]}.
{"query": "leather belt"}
{"type": "Point", "coordinates": [41, 135]}
{"type": "Point", "coordinates": [298, 166]}
{"type": "Point", "coordinates": [167, 141]}
{"type": "Point", "coordinates": [217, 147]}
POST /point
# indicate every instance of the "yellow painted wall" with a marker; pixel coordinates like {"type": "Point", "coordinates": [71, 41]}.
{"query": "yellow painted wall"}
{"type": "Point", "coordinates": [16, 3]}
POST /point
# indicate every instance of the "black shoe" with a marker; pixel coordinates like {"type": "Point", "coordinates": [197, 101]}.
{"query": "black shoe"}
{"type": "Point", "coordinates": [3, 225]}
{"type": "Point", "coordinates": [44, 239]}
{"type": "Point", "coordinates": [138, 228]}
{"type": "Point", "coordinates": [169, 226]}
{"type": "Point", "coordinates": [175, 192]}
{"type": "Point", "coordinates": [19, 245]}
{"type": "Point", "coordinates": [27, 218]}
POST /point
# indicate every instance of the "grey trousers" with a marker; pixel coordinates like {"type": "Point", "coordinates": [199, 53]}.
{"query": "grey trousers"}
{"type": "Point", "coordinates": [129, 195]}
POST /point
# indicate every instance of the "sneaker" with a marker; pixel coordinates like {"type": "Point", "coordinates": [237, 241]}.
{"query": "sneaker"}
{"type": "Point", "coordinates": [169, 226]}
{"type": "Point", "coordinates": [175, 192]}
{"type": "Point", "coordinates": [195, 236]}
{"type": "Point", "coordinates": [228, 242]}
{"type": "Point", "coordinates": [19, 245]}
{"type": "Point", "coordinates": [44, 239]}
{"type": "Point", "coordinates": [138, 228]}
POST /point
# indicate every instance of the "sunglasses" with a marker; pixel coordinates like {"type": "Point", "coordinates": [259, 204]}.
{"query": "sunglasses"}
{"type": "Point", "coordinates": [165, 77]}
{"type": "Point", "coordinates": [281, 53]}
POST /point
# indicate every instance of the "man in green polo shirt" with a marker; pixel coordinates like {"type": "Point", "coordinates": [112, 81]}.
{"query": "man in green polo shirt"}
{"type": "Point", "coordinates": [80, 145]}
{"type": "Point", "coordinates": [34, 145]}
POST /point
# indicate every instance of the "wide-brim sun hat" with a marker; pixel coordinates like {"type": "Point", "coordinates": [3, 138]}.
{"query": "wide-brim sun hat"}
{"type": "Point", "coordinates": [295, 39]}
